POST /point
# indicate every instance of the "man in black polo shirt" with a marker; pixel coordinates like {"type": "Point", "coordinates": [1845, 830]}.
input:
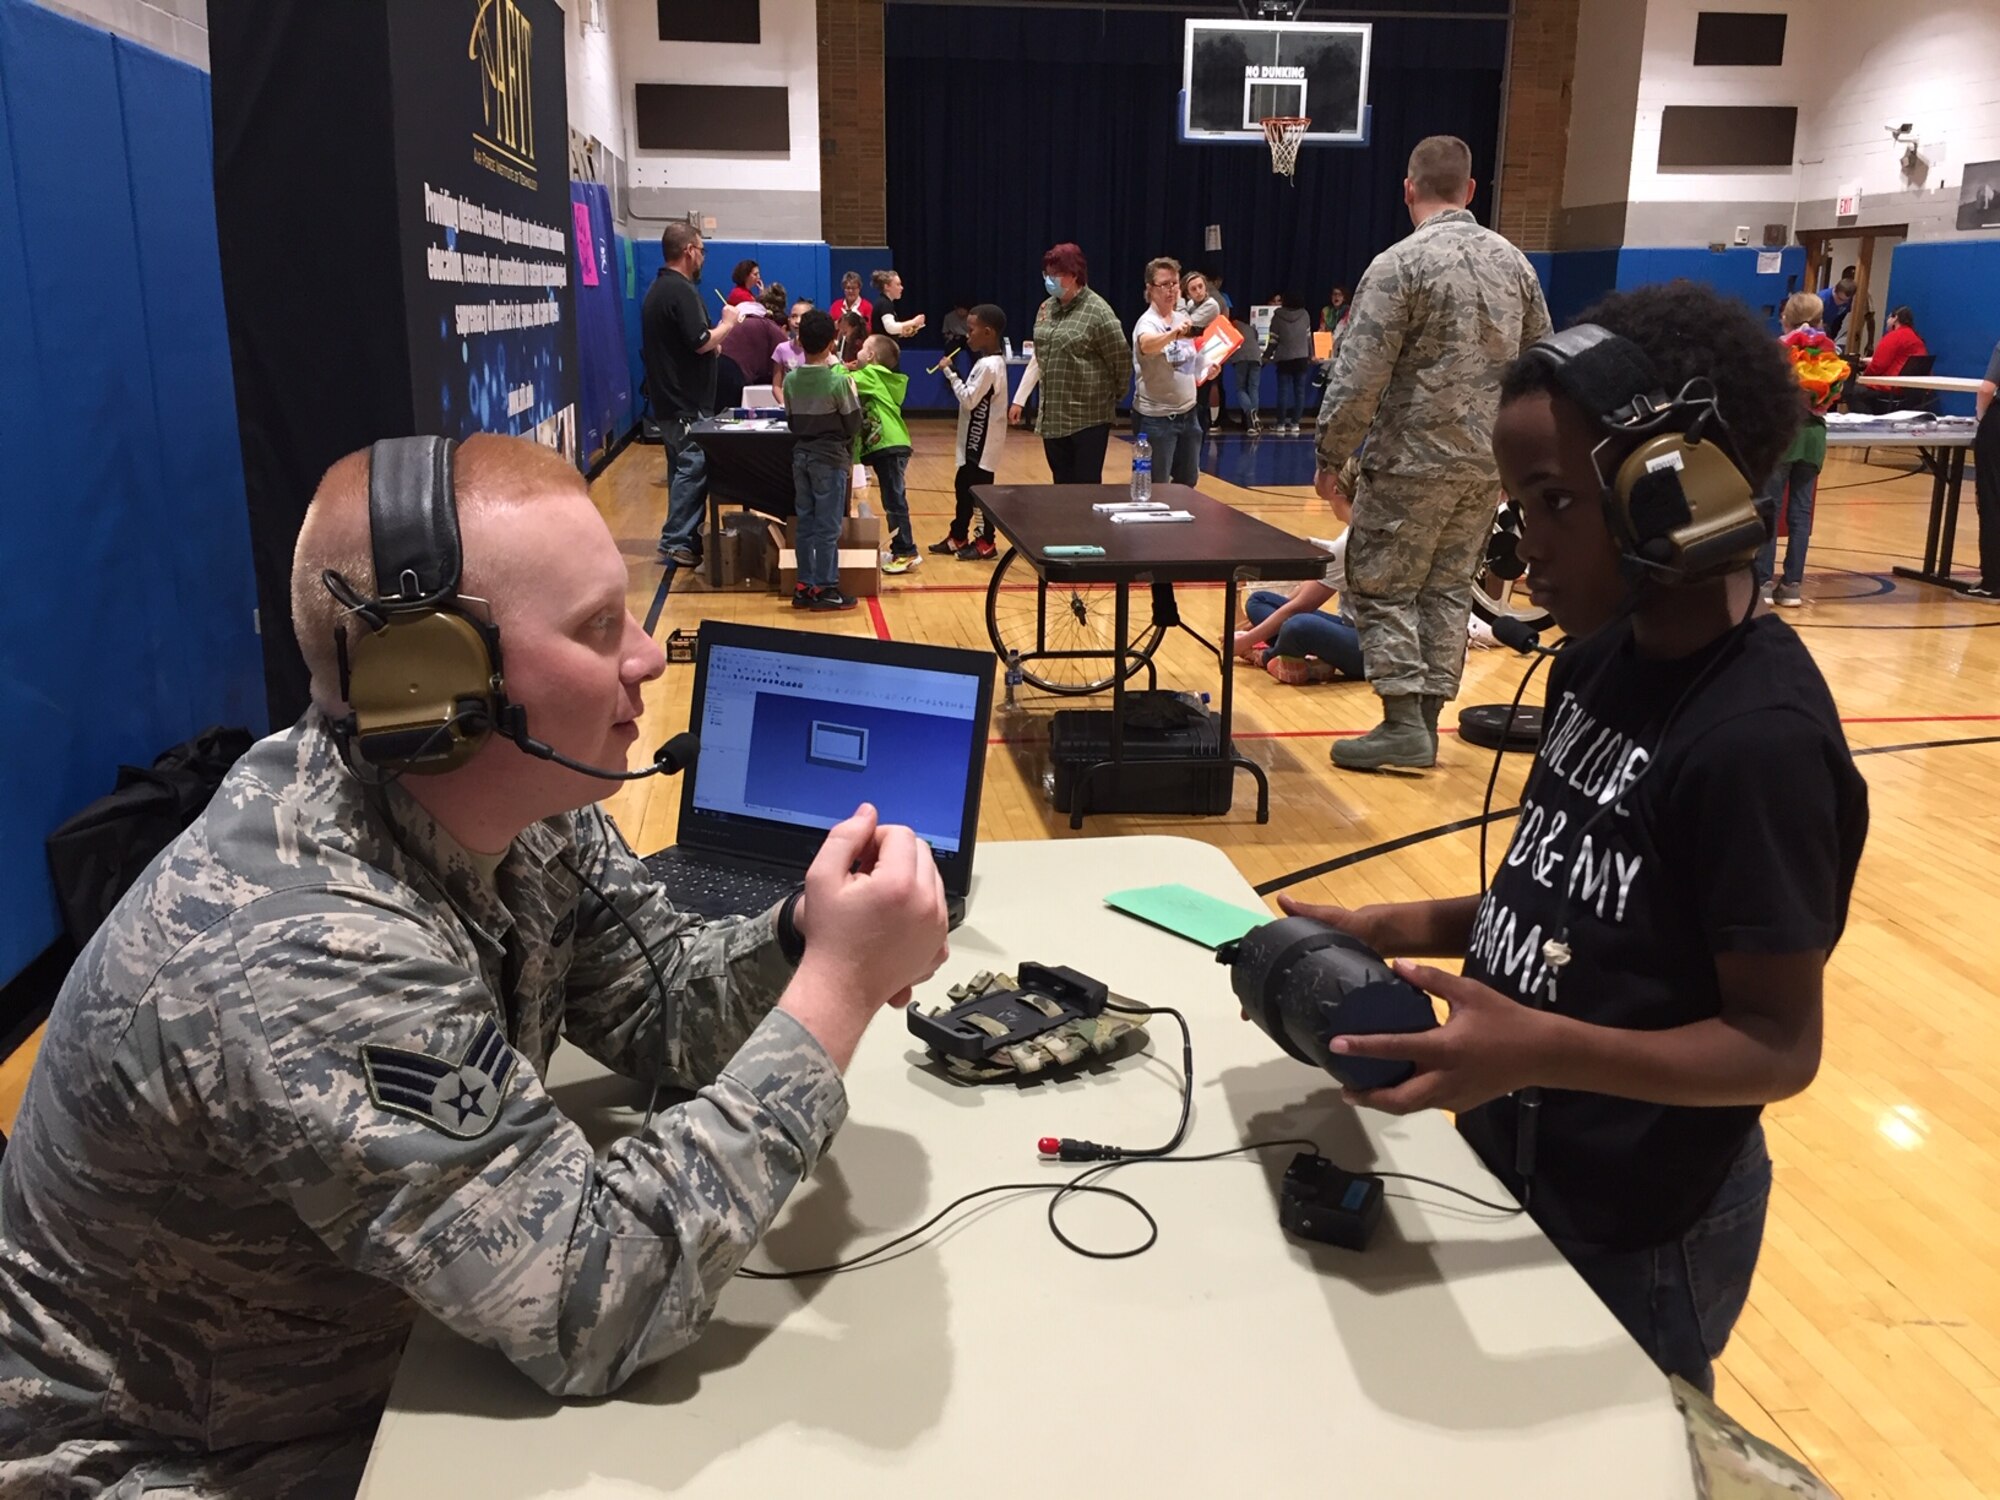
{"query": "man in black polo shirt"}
{"type": "Point", "coordinates": [1690, 830]}
{"type": "Point", "coordinates": [680, 349]}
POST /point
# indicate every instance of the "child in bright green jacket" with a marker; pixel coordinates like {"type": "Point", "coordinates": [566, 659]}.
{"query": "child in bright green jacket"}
{"type": "Point", "coordinates": [884, 443]}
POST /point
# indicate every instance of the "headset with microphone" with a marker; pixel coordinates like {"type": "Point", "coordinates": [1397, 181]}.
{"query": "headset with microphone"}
{"type": "Point", "coordinates": [423, 680]}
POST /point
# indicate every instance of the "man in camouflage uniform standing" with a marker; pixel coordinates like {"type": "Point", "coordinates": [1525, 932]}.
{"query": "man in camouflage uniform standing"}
{"type": "Point", "coordinates": [292, 1092]}
{"type": "Point", "coordinates": [1434, 322]}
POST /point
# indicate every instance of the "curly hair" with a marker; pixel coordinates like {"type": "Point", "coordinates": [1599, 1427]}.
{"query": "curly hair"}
{"type": "Point", "coordinates": [1692, 331]}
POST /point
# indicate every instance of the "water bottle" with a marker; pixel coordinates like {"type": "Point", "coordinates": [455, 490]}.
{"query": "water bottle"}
{"type": "Point", "coordinates": [1014, 675]}
{"type": "Point", "coordinates": [1142, 468]}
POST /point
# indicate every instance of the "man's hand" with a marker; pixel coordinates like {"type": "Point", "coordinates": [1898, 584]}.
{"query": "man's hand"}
{"type": "Point", "coordinates": [1014, 416]}
{"type": "Point", "coordinates": [874, 922]}
{"type": "Point", "coordinates": [732, 314]}
{"type": "Point", "coordinates": [1488, 1046]}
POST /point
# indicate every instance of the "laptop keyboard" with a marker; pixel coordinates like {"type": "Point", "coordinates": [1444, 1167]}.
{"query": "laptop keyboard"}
{"type": "Point", "coordinates": [717, 890]}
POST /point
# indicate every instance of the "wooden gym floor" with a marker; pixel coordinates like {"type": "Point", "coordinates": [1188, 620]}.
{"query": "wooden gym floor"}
{"type": "Point", "coordinates": [1871, 1345]}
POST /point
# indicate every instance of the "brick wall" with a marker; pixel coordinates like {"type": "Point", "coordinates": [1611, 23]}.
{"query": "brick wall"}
{"type": "Point", "coordinates": [852, 181]}
{"type": "Point", "coordinates": [1536, 151]}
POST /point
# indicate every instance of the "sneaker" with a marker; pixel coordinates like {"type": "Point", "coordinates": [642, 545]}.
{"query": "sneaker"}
{"type": "Point", "coordinates": [802, 597]}
{"type": "Point", "coordinates": [680, 555]}
{"type": "Point", "coordinates": [1297, 671]}
{"type": "Point", "coordinates": [1788, 596]}
{"type": "Point", "coordinates": [1980, 591]}
{"type": "Point", "coordinates": [902, 562]}
{"type": "Point", "coordinates": [951, 546]}
{"type": "Point", "coordinates": [1291, 429]}
{"type": "Point", "coordinates": [831, 597]}
{"type": "Point", "coordinates": [979, 549]}
{"type": "Point", "coordinates": [1767, 592]}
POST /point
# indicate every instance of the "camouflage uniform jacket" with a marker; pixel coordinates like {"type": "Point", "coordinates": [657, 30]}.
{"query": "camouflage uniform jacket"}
{"type": "Point", "coordinates": [292, 1093]}
{"type": "Point", "coordinates": [1437, 319]}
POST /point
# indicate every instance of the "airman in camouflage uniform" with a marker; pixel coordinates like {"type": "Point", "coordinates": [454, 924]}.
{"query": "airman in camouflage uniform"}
{"type": "Point", "coordinates": [292, 1093]}
{"type": "Point", "coordinates": [1435, 321]}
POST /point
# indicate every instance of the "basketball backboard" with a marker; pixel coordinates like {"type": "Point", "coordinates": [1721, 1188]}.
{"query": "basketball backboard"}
{"type": "Point", "coordinates": [1236, 73]}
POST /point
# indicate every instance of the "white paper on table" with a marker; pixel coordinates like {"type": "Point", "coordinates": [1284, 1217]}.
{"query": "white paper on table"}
{"type": "Point", "coordinates": [1112, 507]}
{"type": "Point", "coordinates": [1126, 517]}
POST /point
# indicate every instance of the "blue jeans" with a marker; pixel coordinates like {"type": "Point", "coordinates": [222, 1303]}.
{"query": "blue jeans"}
{"type": "Point", "coordinates": [1793, 486]}
{"type": "Point", "coordinates": [1249, 396]}
{"type": "Point", "coordinates": [1294, 375]}
{"type": "Point", "coordinates": [819, 487]}
{"type": "Point", "coordinates": [1176, 444]}
{"type": "Point", "coordinates": [687, 489]}
{"type": "Point", "coordinates": [1332, 640]}
{"type": "Point", "coordinates": [889, 470]}
{"type": "Point", "coordinates": [1680, 1300]}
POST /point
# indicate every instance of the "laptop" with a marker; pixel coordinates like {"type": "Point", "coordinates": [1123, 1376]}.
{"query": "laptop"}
{"type": "Point", "coordinates": [797, 730]}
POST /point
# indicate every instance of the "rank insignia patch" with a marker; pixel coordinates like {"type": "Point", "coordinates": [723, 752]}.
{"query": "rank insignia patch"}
{"type": "Point", "coordinates": [460, 1097]}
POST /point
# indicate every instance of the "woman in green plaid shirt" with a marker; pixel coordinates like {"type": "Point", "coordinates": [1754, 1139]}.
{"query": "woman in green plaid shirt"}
{"type": "Point", "coordinates": [1082, 363]}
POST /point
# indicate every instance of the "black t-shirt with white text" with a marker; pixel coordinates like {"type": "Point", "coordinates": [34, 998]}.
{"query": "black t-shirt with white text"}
{"type": "Point", "coordinates": [673, 325]}
{"type": "Point", "coordinates": [1740, 834]}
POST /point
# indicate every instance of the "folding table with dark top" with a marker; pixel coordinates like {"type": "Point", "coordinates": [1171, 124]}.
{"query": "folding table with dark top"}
{"type": "Point", "coordinates": [1220, 545]}
{"type": "Point", "coordinates": [747, 466]}
{"type": "Point", "coordinates": [1946, 444]}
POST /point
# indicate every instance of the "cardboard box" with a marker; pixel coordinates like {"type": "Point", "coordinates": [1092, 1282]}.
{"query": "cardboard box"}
{"type": "Point", "coordinates": [860, 567]}
{"type": "Point", "coordinates": [748, 557]}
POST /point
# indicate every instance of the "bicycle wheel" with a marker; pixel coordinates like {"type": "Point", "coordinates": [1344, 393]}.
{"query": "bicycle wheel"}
{"type": "Point", "coordinates": [1498, 590]}
{"type": "Point", "coordinates": [1066, 633]}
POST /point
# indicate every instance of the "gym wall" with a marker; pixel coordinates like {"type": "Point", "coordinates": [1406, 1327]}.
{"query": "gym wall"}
{"type": "Point", "coordinates": [127, 623]}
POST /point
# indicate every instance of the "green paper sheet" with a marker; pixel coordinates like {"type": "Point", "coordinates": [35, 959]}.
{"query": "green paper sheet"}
{"type": "Point", "coordinates": [1188, 913]}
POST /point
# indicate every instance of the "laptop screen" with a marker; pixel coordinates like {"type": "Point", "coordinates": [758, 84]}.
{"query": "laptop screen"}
{"type": "Point", "coordinates": [798, 730]}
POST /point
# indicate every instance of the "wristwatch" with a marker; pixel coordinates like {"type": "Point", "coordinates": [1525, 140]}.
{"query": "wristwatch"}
{"type": "Point", "coordinates": [791, 941]}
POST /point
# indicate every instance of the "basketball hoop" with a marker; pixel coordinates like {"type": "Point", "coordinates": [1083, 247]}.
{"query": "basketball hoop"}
{"type": "Point", "coordinates": [1284, 132]}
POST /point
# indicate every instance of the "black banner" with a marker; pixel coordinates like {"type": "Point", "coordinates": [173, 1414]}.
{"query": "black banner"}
{"type": "Point", "coordinates": [482, 185]}
{"type": "Point", "coordinates": [392, 202]}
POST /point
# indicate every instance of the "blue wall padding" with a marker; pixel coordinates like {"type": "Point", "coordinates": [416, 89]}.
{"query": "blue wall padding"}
{"type": "Point", "coordinates": [864, 261]}
{"type": "Point", "coordinates": [126, 620]}
{"type": "Point", "coordinates": [1733, 272]}
{"type": "Point", "coordinates": [800, 265]}
{"type": "Point", "coordinates": [604, 376]}
{"type": "Point", "coordinates": [1947, 284]}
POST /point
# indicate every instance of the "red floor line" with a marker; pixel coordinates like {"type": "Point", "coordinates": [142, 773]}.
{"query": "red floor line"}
{"type": "Point", "coordinates": [875, 614]}
{"type": "Point", "coordinates": [1335, 734]}
{"type": "Point", "coordinates": [1024, 588]}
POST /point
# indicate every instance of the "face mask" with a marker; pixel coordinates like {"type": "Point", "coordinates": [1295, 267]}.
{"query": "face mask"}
{"type": "Point", "coordinates": [1054, 287]}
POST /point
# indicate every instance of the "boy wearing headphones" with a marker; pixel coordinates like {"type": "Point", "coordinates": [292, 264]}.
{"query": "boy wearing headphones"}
{"type": "Point", "coordinates": [1644, 971]}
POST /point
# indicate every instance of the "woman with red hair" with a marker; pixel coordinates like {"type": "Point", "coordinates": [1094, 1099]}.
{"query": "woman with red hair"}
{"type": "Point", "coordinates": [1082, 364]}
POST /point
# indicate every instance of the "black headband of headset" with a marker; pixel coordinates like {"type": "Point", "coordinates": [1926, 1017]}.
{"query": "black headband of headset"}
{"type": "Point", "coordinates": [1605, 374]}
{"type": "Point", "coordinates": [413, 522]}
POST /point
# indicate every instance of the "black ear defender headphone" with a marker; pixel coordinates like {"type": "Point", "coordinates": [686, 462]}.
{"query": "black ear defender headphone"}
{"type": "Point", "coordinates": [423, 676]}
{"type": "Point", "coordinates": [1678, 501]}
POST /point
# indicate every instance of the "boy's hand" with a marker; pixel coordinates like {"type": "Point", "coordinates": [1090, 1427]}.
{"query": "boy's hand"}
{"type": "Point", "coordinates": [1014, 416]}
{"type": "Point", "coordinates": [1357, 922]}
{"type": "Point", "coordinates": [1489, 1045]}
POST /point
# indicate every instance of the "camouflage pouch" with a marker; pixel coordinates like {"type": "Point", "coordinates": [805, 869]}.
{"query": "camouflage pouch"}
{"type": "Point", "coordinates": [1074, 1041]}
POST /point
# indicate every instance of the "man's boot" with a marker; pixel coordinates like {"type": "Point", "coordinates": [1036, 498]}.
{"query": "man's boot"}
{"type": "Point", "coordinates": [1433, 706]}
{"type": "Point", "coordinates": [1401, 739]}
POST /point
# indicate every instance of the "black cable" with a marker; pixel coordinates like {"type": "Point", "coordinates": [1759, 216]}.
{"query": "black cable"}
{"type": "Point", "coordinates": [1499, 753]}
{"type": "Point", "coordinates": [1504, 1209]}
{"type": "Point", "coordinates": [659, 983]}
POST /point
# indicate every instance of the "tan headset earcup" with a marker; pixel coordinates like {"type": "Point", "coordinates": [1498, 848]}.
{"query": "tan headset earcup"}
{"type": "Point", "coordinates": [1722, 527]}
{"type": "Point", "coordinates": [408, 683]}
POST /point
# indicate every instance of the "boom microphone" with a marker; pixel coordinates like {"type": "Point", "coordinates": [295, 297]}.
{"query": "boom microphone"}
{"type": "Point", "coordinates": [672, 758]}
{"type": "Point", "coordinates": [1515, 635]}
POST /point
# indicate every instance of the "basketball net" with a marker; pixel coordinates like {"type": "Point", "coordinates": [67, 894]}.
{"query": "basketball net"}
{"type": "Point", "coordinates": [1284, 132]}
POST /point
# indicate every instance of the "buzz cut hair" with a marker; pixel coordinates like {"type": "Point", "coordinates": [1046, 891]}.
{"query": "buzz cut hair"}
{"type": "Point", "coordinates": [1440, 168]}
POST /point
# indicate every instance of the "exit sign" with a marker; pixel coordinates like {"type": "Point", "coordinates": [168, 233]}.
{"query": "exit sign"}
{"type": "Point", "coordinates": [1848, 204]}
